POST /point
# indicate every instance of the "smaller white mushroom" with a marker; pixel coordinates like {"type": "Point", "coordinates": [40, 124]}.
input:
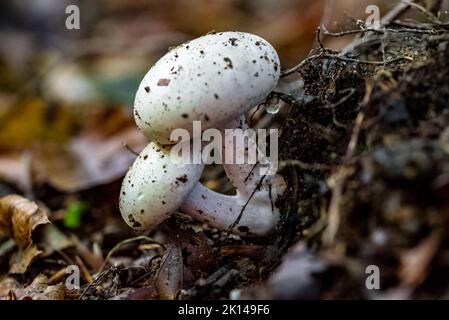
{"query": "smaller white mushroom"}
{"type": "Point", "coordinates": [155, 187]}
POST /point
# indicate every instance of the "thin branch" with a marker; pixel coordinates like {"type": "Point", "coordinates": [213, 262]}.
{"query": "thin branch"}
{"type": "Point", "coordinates": [383, 31]}
{"type": "Point", "coordinates": [236, 222]}
{"type": "Point", "coordinates": [423, 10]}
{"type": "Point", "coordinates": [301, 64]}
{"type": "Point", "coordinates": [123, 243]}
{"type": "Point", "coordinates": [304, 166]}
{"type": "Point", "coordinates": [126, 145]}
{"type": "Point", "coordinates": [416, 25]}
{"type": "Point", "coordinates": [392, 15]}
{"type": "Point", "coordinates": [318, 38]}
{"type": "Point", "coordinates": [376, 63]}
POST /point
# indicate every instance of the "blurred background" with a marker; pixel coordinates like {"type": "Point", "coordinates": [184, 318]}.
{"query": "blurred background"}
{"type": "Point", "coordinates": [66, 95]}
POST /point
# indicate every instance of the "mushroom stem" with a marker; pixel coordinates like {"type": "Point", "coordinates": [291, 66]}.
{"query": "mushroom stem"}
{"type": "Point", "coordinates": [240, 214]}
{"type": "Point", "coordinates": [252, 210]}
{"type": "Point", "coordinates": [246, 177]}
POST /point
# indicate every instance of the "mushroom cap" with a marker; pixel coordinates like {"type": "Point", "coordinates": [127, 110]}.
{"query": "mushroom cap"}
{"type": "Point", "coordinates": [155, 187]}
{"type": "Point", "coordinates": [212, 79]}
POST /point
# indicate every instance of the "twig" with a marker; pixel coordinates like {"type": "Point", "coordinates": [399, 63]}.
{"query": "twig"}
{"type": "Point", "coordinates": [318, 38]}
{"type": "Point", "coordinates": [334, 217]}
{"type": "Point", "coordinates": [130, 149]}
{"type": "Point", "coordinates": [426, 12]}
{"type": "Point", "coordinates": [325, 54]}
{"type": "Point", "coordinates": [341, 58]}
{"type": "Point", "coordinates": [57, 276]}
{"type": "Point", "coordinates": [301, 64]}
{"type": "Point", "coordinates": [377, 63]}
{"type": "Point", "coordinates": [236, 222]}
{"type": "Point", "coordinates": [146, 274]}
{"type": "Point", "coordinates": [392, 15]}
{"type": "Point", "coordinates": [359, 122]}
{"type": "Point", "coordinates": [304, 166]}
{"type": "Point", "coordinates": [125, 242]}
{"type": "Point", "coordinates": [82, 266]}
{"type": "Point", "coordinates": [415, 25]}
{"type": "Point", "coordinates": [342, 100]}
{"type": "Point", "coordinates": [383, 31]}
{"type": "Point", "coordinates": [100, 277]}
{"type": "Point", "coordinates": [343, 173]}
{"type": "Point", "coordinates": [355, 135]}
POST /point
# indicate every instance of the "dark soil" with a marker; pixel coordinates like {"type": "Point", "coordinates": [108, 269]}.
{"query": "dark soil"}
{"type": "Point", "coordinates": [370, 185]}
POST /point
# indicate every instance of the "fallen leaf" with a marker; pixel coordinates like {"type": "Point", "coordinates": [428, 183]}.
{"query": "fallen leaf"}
{"type": "Point", "coordinates": [148, 293]}
{"type": "Point", "coordinates": [169, 279]}
{"type": "Point", "coordinates": [6, 285]}
{"type": "Point", "coordinates": [40, 290]}
{"type": "Point", "coordinates": [198, 255]}
{"type": "Point", "coordinates": [416, 262]}
{"type": "Point", "coordinates": [19, 217]}
{"type": "Point", "coordinates": [22, 259]}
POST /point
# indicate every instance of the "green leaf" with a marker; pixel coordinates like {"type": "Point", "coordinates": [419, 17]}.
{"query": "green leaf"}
{"type": "Point", "coordinates": [74, 213]}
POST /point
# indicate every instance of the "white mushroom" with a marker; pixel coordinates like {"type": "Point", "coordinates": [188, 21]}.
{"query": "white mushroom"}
{"type": "Point", "coordinates": [213, 79]}
{"type": "Point", "coordinates": [155, 187]}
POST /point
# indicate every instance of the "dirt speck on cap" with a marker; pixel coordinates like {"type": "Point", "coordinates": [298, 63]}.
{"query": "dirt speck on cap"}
{"type": "Point", "coordinates": [163, 82]}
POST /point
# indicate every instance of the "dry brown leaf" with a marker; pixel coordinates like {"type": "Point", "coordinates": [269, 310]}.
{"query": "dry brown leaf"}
{"type": "Point", "coordinates": [148, 293]}
{"type": "Point", "coordinates": [6, 285]}
{"type": "Point", "coordinates": [40, 290]}
{"type": "Point", "coordinates": [22, 259]}
{"type": "Point", "coordinates": [19, 217]}
{"type": "Point", "coordinates": [416, 262]}
{"type": "Point", "coordinates": [169, 279]}
{"type": "Point", "coordinates": [198, 255]}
